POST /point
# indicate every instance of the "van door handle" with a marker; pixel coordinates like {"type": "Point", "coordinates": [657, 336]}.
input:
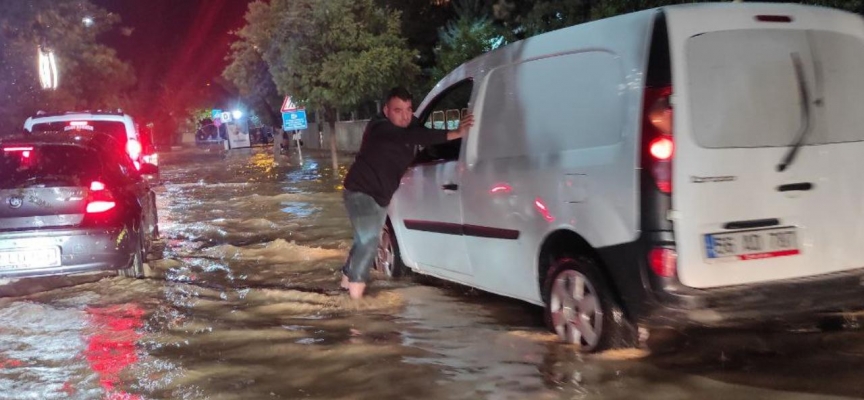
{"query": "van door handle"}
{"type": "Point", "coordinates": [450, 186]}
{"type": "Point", "coordinates": [795, 187]}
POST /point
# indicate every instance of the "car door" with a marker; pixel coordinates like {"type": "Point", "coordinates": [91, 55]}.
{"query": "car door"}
{"type": "Point", "coordinates": [428, 202]}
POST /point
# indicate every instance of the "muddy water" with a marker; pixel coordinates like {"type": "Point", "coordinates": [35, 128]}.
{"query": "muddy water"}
{"type": "Point", "coordinates": [243, 305]}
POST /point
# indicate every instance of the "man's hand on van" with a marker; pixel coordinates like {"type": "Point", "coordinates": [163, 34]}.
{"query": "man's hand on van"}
{"type": "Point", "coordinates": [465, 124]}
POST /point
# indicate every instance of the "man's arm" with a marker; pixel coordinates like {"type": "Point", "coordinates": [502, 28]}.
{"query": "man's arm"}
{"type": "Point", "coordinates": [417, 134]}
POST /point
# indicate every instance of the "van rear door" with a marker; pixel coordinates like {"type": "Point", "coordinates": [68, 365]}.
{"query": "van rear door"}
{"type": "Point", "coordinates": [751, 83]}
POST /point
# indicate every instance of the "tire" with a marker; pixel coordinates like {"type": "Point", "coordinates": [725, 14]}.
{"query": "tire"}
{"type": "Point", "coordinates": [581, 309]}
{"type": "Point", "coordinates": [136, 266]}
{"type": "Point", "coordinates": [388, 259]}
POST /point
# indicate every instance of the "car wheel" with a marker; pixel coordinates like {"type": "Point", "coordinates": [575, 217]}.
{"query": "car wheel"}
{"type": "Point", "coordinates": [581, 309]}
{"type": "Point", "coordinates": [136, 266]}
{"type": "Point", "coordinates": [388, 259]}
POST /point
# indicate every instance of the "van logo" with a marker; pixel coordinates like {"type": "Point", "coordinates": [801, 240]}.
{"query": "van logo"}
{"type": "Point", "coordinates": [711, 179]}
{"type": "Point", "coordinates": [16, 202]}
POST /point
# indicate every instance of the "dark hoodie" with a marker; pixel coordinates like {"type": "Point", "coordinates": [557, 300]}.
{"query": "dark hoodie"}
{"type": "Point", "coordinates": [385, 154]}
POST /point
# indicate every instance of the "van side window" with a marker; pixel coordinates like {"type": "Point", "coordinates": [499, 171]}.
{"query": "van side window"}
{"type": "Point", "coordinates": [445, 113]}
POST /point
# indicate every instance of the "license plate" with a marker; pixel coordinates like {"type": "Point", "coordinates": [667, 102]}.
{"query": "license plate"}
{"type": "Point", "coordinates": [752, 245]}
{"type": "Point", "coordinates": [29, 258]}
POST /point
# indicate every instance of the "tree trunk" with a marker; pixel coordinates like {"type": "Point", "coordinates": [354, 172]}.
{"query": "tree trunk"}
{"type": "Point", "coordinates": [330, 114]}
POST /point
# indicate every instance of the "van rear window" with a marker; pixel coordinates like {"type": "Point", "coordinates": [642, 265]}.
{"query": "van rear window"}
{"type": "Point", "coordinates": [114, 128]}
{"type": "Point", "coordinates": [51, 165]}
{"type": "Point", "coordinates": [744, 90]}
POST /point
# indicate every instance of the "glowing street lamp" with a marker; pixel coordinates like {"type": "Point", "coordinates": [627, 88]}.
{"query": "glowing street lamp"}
{"type": "Point", "coordinates": [48, 75]}
{"type": "Point", "coordinates": [237, 114]}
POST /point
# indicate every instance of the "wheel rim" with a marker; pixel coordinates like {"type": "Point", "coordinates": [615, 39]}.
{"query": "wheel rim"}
{"type": "Point", "coordinates": [575, 309]}
{"type": "Point", "coordinates": [384, 257]}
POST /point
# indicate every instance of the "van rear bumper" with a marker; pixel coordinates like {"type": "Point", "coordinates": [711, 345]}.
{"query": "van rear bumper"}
{"type": "Point", "coordinates": [786, 300]}
{"type": "Point", "coordinates": [654, 301]}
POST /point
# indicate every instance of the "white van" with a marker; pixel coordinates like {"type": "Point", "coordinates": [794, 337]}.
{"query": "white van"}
{"type": "Point", "coordinates": [117, 124]}
{"type": "Point", "coordinates": [579, 188]}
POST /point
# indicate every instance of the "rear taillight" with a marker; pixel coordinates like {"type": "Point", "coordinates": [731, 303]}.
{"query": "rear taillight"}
{"type": "Point", "coordinates": [133, 148]}
{"type": "Point", "coordinates": [100, 200]}
{"type": "Point", "coordinates": [657, 136]}
{"type": "Point", "coordinates": [663, 261]}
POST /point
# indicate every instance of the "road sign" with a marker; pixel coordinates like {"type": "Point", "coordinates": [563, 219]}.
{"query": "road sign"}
{"type": "Point", "coordinates": [295, 120]}
{"type": "Point", "coordinates": [289, 106]}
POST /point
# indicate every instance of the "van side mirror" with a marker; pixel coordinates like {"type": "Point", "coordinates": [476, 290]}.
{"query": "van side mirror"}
{"type": "Point", "coordinates": [149, 169]}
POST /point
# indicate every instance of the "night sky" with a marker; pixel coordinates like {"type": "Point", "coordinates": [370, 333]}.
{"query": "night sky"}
{"type": "Point", "coordinates": [182, 43]}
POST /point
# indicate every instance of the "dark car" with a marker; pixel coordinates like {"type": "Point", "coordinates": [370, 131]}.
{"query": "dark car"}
{"type": "Point", "coordinates": [72, 204]}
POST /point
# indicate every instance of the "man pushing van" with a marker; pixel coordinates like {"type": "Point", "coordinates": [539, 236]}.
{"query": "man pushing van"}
{"type": "Point", "coordinates": [385, 154]}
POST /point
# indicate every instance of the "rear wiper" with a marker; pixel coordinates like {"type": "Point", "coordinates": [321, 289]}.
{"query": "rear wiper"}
{"type": "Point", "coordinates": [805, 114]}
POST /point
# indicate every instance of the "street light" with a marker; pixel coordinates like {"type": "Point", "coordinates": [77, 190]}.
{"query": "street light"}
{"type": "Point", "coordinates": [237, 114]}
{"type": "Point", "coordinates": [48, 75]}
{"type": "Point", "coordinates": [87, 21]}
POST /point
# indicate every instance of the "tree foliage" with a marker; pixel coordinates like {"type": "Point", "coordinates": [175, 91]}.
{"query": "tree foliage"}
{"type": "Point", "coordinates": [471, 34]}
{"type": "Point", "coordinates": [327, 54]}
{"type": "Point", "coordinates": [90, 74]}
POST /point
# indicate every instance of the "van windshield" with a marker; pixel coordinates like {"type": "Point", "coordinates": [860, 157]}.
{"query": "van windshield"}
{"type": "Point", "coordinates": [744, 90]}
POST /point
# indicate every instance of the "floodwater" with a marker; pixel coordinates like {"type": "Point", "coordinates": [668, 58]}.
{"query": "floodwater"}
{"type": "Point", "coordinates": [242, 303]}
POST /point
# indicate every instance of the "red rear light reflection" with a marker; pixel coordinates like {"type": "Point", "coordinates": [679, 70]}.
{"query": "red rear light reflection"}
{"type": "Point", "coordinates": [97, 186]}
{"type": "Point", "coordinates": [95, 207]}
{"type": "Point", "coordinates": [663, 261]}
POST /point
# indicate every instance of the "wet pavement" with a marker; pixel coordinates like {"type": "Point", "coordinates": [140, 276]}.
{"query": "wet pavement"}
{"type": "Point", "coordinates": [242, 303]}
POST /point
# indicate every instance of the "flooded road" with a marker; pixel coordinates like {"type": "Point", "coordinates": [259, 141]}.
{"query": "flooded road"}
{"type": "Point", "coordinates": [243, 304]}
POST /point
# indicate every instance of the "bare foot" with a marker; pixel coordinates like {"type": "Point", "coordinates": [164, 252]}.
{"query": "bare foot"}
{"type": "Point", "coordinates": [344, 283]}
{"type": "Point", "coordinates": [356, 289]}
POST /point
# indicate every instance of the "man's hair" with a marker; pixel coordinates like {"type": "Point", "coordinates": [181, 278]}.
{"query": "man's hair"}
{"type": "Point", "coordinates": [399, 92]}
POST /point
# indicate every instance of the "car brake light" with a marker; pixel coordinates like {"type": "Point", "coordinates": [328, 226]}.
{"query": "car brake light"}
{"type": "Point", "coordinates": [663, 261]}
{"type": "Point", "coordinates": [78, 123]}
{"type": "Point", "coordinates": [133, 148]}
{"type": "Point", "coordinates": [100, 199]}
{"type": "Point", "coordinates": [11, 149]}
{"type": "Point", "coordinates": [657, 134]}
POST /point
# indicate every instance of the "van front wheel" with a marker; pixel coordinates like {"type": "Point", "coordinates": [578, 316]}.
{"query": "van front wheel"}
{"type": "Point", "coordinates": [581, 310]}
{"type": "Point", "coordinates": [388, 259]}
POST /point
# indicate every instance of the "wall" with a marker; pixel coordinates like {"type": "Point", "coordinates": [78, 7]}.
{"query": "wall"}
{"type": "Point", "coordinates": [349, 134]}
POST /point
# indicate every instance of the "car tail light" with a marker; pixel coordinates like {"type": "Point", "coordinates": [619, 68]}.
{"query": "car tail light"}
{"type": "Point", "coordinates": [25, 152]}
{"type": "Point", "coordinates": [663, 261]}
{"type": "Point", "coordinates": [100, 199]}
{"type": "Point", "coordinates": [657, 135]}
{"type": "Point", "coordinates": [133, 148]}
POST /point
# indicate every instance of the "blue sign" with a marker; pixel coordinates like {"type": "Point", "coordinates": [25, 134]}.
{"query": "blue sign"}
{"type": "Point", "coordinates": [294, 120]}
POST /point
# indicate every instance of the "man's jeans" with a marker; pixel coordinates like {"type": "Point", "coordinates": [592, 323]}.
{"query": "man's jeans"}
{"type": "Point", "coordinates": [367, 218]}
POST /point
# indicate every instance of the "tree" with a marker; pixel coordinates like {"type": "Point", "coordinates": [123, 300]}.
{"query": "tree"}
{"type": "Point", "coordinates": [90, 74]}
{"type": "Point", "coordinates": [329, 54]}
{"type": "Point", "coordinates": [250, 75]}
{"type": "Point", "coordinates": [421, 22]}
{"type": "Point", "coordinates": [470, 35]}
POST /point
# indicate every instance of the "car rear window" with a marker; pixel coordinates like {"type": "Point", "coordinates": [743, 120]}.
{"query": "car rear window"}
{"type": "Point", "coordinates": [50, 165]}
{"type": "Point", "coordinates": [744, 89]}
{"type": "Point", "coordinates": [114, 128]}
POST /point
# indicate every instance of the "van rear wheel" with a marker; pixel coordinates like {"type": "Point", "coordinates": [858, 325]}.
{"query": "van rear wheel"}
{"type": "Point", "coordinates": [581, 309]}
